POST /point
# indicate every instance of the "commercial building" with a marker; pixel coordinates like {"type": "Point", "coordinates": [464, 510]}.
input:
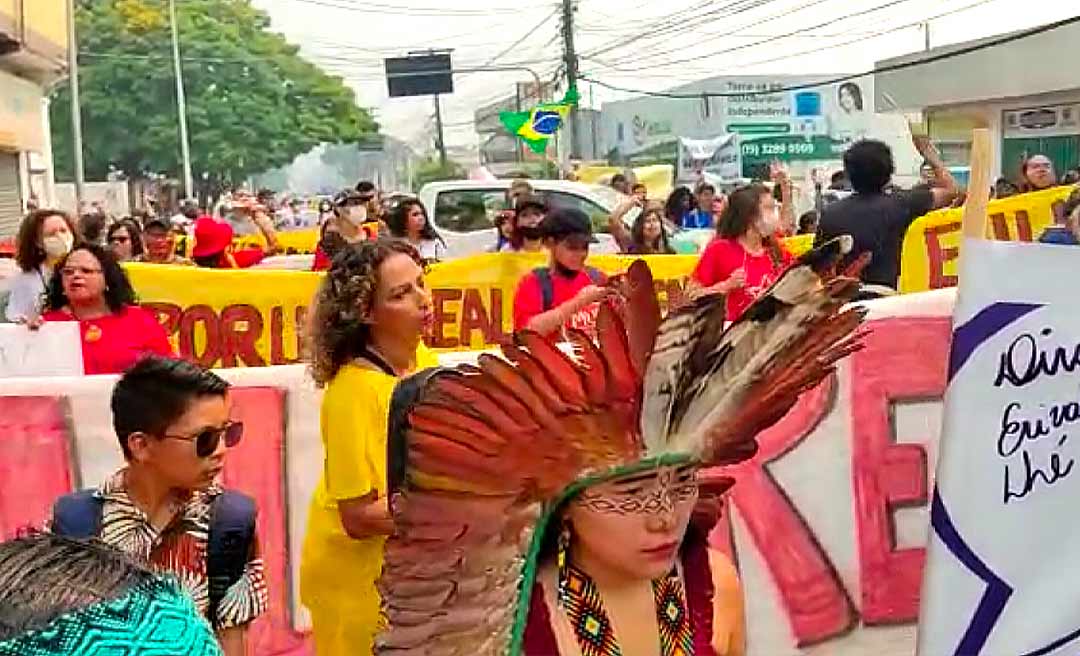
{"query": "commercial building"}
{"type": "Point", "coordinates": [1024, 90]}
{"type": "Point", "coordinates": [33, 56]}
{"type": "Point", "coordinates": [793, 119]}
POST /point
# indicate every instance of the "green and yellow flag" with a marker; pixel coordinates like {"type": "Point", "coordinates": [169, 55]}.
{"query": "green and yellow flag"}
{"type": "Point", "coordinates": [538, 125]}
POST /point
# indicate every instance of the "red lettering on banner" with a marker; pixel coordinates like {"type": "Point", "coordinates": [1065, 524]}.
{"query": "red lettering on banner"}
{"type": "Point", "coordinates": [241, 327]}
{"type": "Point", "coordinates": [191, 317]}
{"type": "Point", "coordinates": [814, 598]}
{"type": "Point", "coordinates": [35, 460]}
{"type": "Point", "coordinates": [999, 227]}
{"type": "Point", "coordinates": [443, 318]}
{"type": "Point", "coordinates": [1023, 226]}
{"type": "Point", "coordinates": [937, 256]}
{"type": "Point", "coordinates": [904, 358]}
{"type": "Point", "coordinates": [475, 317]}
{"type": "Point", "coordinates": [256, 467]}
{"type": "Point", "coordinates": [277, 334]}
{"type": "Point", "coordinates": [168, 315]}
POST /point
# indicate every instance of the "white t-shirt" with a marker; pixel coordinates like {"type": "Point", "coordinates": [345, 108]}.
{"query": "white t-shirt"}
{"type": "Point", "coordinates": [27, 294]}
{"type": "Point", "coordinates": [431, 250]}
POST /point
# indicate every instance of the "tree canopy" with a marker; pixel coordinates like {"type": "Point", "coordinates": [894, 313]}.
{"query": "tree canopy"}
{"type": "Point", "coordinates": [253, 103]}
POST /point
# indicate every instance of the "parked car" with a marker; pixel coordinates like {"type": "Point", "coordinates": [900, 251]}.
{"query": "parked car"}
{"type": "Point", "coordinates": [463, 211]}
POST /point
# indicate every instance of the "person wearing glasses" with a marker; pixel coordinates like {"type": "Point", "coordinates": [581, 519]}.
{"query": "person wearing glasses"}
{"type": "Point", "coordinates": [94, 290]}
{"type": "Point", "coordinates": [165, 506]}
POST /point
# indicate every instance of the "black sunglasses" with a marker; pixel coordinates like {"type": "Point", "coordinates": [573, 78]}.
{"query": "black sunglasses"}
{"type": "Point", "coordinates": [206, 442]}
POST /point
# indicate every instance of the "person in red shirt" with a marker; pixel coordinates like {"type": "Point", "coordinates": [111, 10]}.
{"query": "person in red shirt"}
{"type": "Point", "coordinates": [566, 293]}
{"type": "Point", "coordinates": [745, 258]}
{"type": "Point", "coordinates": [93, 290]}
{"type": "Point", "coordinates": [213, 243]}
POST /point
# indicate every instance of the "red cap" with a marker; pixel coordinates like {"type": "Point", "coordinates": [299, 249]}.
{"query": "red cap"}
{"type": "Point", "coordinates": [211, 236]}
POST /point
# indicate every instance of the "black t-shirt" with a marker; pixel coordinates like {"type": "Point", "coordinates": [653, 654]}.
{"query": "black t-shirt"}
{"type": "Point", "coordinates": [877, 223]}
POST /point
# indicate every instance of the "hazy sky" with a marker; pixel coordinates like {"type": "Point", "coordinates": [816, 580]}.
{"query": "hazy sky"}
{"type": "Point", "coordinates": [638, 44]}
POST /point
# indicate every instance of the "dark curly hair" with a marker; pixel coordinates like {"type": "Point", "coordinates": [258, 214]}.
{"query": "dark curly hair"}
{"type": "Point", "coordinates": [337, 331]}
{"type": "Point", "coordinates": [29, 254]}
{"type": "Point", "coordinates": [869, 165]}
{"type": "Point", "coordinates": [134, 234]}
{"type": "Point", "coordinates": [678, 202]}
{"type": "Point", "coordinates": [118, 290]}
{"type": "Point", "coordinates": [398, 221]}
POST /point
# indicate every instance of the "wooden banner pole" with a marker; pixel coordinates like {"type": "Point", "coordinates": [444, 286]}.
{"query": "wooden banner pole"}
{"type": "Point", "coordinates": [975, 225]}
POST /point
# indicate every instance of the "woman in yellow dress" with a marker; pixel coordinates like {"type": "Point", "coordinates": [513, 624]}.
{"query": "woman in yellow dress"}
{"type": "Point", "coordinates": [370, 314]}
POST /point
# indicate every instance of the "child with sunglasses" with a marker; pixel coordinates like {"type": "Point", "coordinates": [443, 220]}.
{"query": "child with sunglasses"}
{"type": "Point", "coordinates": [165, 506]}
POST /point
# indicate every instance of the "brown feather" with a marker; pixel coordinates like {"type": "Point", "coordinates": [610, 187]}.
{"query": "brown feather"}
{"type": "Point", "coordinates": [642, 314]}
{"type": "Point", "coordinates": [563, 374]}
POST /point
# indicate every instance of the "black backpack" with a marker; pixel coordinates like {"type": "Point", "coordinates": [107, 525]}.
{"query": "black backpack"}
{"type": "Point", "coordinates": [232, 530]}
{"type": "Point", "coordinates": [547, 288]}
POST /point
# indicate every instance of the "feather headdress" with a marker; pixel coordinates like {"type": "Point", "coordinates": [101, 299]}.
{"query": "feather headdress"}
{"type": "Point", "coordinates": [480, 455]}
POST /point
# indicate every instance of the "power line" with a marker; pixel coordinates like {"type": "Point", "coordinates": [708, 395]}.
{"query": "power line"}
{"type": "Point", "coordinates": [845, 78]}
{"type": "Point", "coordinates": [779, 37]}
{"type": "Point", "coordinates": [865, 37]}
{"type": "Point", "coordinates": [802, 7]}
{"type": "Point", "coordinates": [525, 36]}
{"type": "Point", "coordinates": [685, 24]}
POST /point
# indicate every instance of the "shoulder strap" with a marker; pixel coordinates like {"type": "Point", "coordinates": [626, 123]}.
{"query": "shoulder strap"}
{"type": "Point", "coordinates": [232, 532]}
{"type": "Point", "coordinates": [547, 289]}
{"type": "Point", "coordinates": [77, 515]}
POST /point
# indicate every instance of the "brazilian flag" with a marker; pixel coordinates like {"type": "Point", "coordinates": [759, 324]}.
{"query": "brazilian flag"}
{"type": "Point", "coordinates": [538, 125]}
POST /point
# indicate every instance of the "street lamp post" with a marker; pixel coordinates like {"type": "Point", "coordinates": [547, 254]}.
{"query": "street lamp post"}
{"type": "Point", "coordinates": [76, 110]}
{"type": "Point", "coordinates": [181, 104]}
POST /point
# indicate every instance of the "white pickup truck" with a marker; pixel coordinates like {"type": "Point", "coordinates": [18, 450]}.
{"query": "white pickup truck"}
{"type": "Point", "coordinates": [463, 211]}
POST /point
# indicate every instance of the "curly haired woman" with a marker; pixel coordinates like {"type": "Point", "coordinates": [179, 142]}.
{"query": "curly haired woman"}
{"type": "Point", "coordinates": [368, 320]}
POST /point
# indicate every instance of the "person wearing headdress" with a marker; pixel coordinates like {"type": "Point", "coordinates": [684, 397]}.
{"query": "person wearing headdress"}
{"type": "Point", "coordinates": [60, 596]}
{"type": "Point", "coordinates": [554, 504]}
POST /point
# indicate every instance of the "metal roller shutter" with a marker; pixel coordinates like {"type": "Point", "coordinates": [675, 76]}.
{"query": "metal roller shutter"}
{"type": "Point", "coordinates": [11, 206]}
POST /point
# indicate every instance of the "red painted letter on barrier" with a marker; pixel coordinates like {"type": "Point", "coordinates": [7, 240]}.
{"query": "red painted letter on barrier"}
{"type": "Point", "coordinates": [256, 467]}
{"type": "Point", "coordinates": [35, 460]}
{"type": "Point", "coordinates": [812, 595]}
{"type": "Point", "coordinates": [904, 358]}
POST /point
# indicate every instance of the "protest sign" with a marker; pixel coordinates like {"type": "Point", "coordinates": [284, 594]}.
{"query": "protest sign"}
{"type": "Point", "coordinates": [931, 247]}
{"type": "Point", "coordinates": [1003, 551]}
{"type": "Point", "coordinates": [719, 157]}
{"type": "Point", "coordinates": [55, 349]}
{"type": "Point", "coordinates": [254, 317]}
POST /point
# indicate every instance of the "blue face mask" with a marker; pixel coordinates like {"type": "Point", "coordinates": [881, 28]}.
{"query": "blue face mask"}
{"type": "Point", "coordinates": [152, 619]}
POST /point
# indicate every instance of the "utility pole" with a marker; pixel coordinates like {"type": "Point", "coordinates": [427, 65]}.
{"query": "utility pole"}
{"type": "Point", "coordinates": [570, 58]}
{"type": "Point", "coordinates": [440, 142]}
{"type": "Point", "coordinates": [76, 110]}
{"type": "Point", "coordinates": [926, 35]}
{"type": "Point", "coordinates": [181, 104]}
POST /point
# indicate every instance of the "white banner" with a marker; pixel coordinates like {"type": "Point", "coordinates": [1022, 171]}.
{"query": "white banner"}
{"type": "Point", "coordinates": [55, 349]}
{"type": "Point", "coordinates": [1002, 562]}
{"type": "Point", "coordinates": [720, 157]}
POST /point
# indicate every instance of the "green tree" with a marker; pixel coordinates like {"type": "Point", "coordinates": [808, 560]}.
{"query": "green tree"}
{"type": "Point", "coordinates": [432, 170]}
{"type": "Point", "coordinates": [253, 103]}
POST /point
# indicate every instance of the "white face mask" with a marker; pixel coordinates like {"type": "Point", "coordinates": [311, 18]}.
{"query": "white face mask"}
{"type": "Point", "coordinates": [57, 246]}
{"type": "Point", "coordinates": [356, 215]}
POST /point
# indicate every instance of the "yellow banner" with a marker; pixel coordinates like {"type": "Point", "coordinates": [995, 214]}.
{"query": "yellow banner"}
{"type": "Point", "coordinates": [254, 317]}
{"type": "Point", "coordinates": [931, 247]}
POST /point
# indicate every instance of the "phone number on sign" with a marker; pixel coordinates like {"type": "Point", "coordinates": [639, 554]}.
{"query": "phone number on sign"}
{"type": "Point", "coordinates": [777, 149]}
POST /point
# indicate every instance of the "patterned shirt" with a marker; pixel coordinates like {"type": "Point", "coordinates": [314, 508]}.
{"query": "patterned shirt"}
{"type": "Point", "coordinates": [180, 550]}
